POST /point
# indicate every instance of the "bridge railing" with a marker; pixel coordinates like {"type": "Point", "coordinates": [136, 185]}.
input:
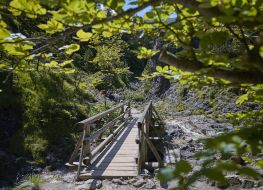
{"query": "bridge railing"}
{"type": "Point", "coordinates": [145, 124]}
{"type": "Point", "coordinates": [87, 156]}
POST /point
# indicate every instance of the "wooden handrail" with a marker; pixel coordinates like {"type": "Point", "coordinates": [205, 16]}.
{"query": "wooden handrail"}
{"type": "Point", "coordinates": [96, 134]}
{"type": "Point", "coordinates": [94, 118]}
{"type": "Point", "coordinates": [144, 124]}
{"type": "Point", "coordinates": [86, 155]}
{"type": "Point", "coordinates": [143, 115]}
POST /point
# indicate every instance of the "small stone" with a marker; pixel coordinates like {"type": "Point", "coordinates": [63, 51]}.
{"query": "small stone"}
{"type": "Point", "coordinates": [98, 184]}
{"type": "Point", "coordinates": [260, 183]}
{"type": "Point", "coordinates": [139, 183]}
{"type": "Point", "coordinates": [156, 171]}
{"type": "Point", "coordinates": [117, 181]}
{"type": "Point", "coordinates": [83, 187]}
{"type": "Point", "coordinates": [222, 186]}
{"type": "Point", "coordinates": [49, 168]}
{"type": "Point", "coordinates": [145, 172]}
{"type": "Point", "coordinates": [21, 161]}
{"type": "Point", "coordinates": [149, 185]}
{"type": "Point", "coordinates": [248, 184]}
{"type": "Point", "coordinates": [233, 181]}
{"type": "Point", "coordinates": [132, 181]}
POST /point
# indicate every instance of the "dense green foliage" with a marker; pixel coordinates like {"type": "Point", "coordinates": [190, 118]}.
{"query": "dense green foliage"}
{"type": "Point", "coordinates": [221, 43]}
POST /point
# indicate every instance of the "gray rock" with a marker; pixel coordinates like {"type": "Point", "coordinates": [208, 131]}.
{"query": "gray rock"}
{"type": "Point", "coordinates": [260, 183]}
{"type": "Point", "coordinates": [83, 187]}
{"type": "Point", "coordinates": [68, 178]}
{"type": "Point", "coordinates": [139, 183]}
{"type": "Point", "coordinates": [28, 186]}
{"type": "Point", "coordinates": [132, 181]}
{"type": "Point", "coordinates": [20, 161]}
{"type": "Point", "coordinates": [248, 184]}
{"type": "Point", "coordinates": [90, 185]}
{"type": "Point", "coordinates": [99, 184]}
{"type": "Point", "coordinates": [145, 172]}
{"type": "Point", "coordinates": [156, 171]}
{"type": "Point", "coordinates": [149, 185]}
{"type": "Point", "coordinates": [117, 181]}
{"type": "Point", "coordinates": [233, 180]}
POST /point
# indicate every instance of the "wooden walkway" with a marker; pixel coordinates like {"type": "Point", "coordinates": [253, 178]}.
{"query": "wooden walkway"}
{"type": "Point", "coordinates": [118, 159]}
{"type": "Point", "coordinates": [125, 150]}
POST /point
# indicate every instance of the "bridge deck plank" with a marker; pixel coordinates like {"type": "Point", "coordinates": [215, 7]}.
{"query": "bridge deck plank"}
{"type": "Point", "coordinates": [118, 159]}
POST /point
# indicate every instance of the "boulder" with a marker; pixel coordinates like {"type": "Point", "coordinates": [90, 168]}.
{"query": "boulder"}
{"type": "Point", "coordinates": [149, 185]}
{"type": "Point", "coordinates": [139, 183]}
{"type": "Point", "coordinates": [247, 184]}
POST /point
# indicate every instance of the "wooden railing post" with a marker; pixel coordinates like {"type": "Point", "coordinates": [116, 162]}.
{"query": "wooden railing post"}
{"type": "Point", "coordinates": [129, 107]}
{"type": "Point", "coordinates": [81, 153]}
{"type": "Point", "coordinates": [123, 111]}
{"type": "Point", "coordinates": [139, 163]}
{"type": "Point", "coordinates": [87, 146]}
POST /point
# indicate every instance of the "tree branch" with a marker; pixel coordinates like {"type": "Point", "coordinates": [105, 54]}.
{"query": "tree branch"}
{"type": "Point", "coordinates": [236, 76]}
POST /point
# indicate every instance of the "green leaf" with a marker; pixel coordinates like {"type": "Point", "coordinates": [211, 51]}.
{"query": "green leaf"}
{"type": "Point", "coordinates": [102, 14]}
{"type": "Point", "coordinates": [145, 53]}
{"type": "Point", "coordinates": [249, 172]}
{"type": "Point", "coordinates": [242, 99]}
{"type": "Point", "coordinates": [52, 64]}
{"type": "Point", "coordinates": [260, 163]}
{"type": "Point", "coordinates": [4, 33]}
{"type": "Point", "coordinates": [106, 34]}
{"type": "Point", "coordinates": [17, 49]}
{"type": "Point", "coordinates": [215, 174]}
{"type": "Point", "coordinates": [84, 36]}
{"type": "Point", "coordinates": [165, 68]}
{"type": "Point", "coordinates": [72, 48]}
{"type": "Point", "coordinates": [183, 167]}
{"type": "Point", "coordinates": [261, 51]}
{"type": "Point", "coordinates": [166, 174]}
{"type": "Point", "coordinates": [32, 8]}
{"type": "Point", "coordinates": [52, 26]}
{"type": "Point", "coordinates": [159, 69]}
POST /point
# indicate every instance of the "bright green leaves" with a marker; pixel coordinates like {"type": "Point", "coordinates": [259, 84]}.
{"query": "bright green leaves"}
{"type": "Point", "coordinates": [64, 67]}
{"type": "Point", "coordinates": [145, 53]}
{"type": "Point", "coordinates": [69, 49]}
{"type": "Point", "coordinates": [72, 48]}
{"type": "Point", "coordinates": [17, 49]}
{"type": "Point", "coordinates": [106, 34]}
{"type": "Point", "coordinates": [261, 51]}
{"type": "Point", "coordinates": [31, 8]}
{"type": "Point", "coordinates": [242, 98]}
{"type": "Point", "coordinates": [76, 12]}
{"type": "Point", "coordinates": [115, 5]}
{"type": "Point", "coordinates": [101, 14]}
{"type": "Point", "coordinates": [84, 36]}
{"type": "Point", "coordinates": [52, 26]}
{"type": "Point", "coordinates": [4, 33]}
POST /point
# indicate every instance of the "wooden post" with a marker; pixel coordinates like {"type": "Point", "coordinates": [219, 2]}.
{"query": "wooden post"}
{"type": "Point", "coordinates": [139, 164]}
{"type": "Point", "coordinates": [123, 111]}
{"type": "Point", "coordinates": [129, 107]}
{"type": "Point", "coordinates": [76, 150]}
{"type": "Point", "coordinates": [81, 153]}
{"type": "Point", "coordinates": [87, 143]}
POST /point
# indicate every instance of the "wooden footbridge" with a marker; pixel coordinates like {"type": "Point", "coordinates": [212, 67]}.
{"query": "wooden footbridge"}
{"type": "Point", "coordinates": [121, 147]}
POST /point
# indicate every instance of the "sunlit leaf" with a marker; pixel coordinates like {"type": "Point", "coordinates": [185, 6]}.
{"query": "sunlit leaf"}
{"type": "Point", "coordinates": [84, 36]}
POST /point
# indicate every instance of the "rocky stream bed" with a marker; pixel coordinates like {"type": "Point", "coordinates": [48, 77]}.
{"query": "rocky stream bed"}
{"type": "Point", "coordinates": [183, 136]}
